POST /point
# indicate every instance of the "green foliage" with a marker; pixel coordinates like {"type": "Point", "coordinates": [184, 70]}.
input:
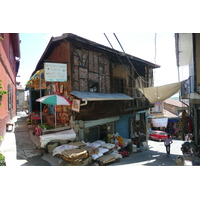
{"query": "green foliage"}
{"type": "Point", "coordinates": [2, 92]}
{"type": "Point", "coordinates": [47, 126]}
{"type": "Point", "coordinates": [2, 160]}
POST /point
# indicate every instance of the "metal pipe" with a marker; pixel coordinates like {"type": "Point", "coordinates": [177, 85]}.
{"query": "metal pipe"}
{"type": "Point", "coordinates": [83, 104]}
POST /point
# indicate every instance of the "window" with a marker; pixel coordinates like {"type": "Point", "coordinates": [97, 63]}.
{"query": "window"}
{"type": "Point", "coordinates": [10, 105]}
{"type": "Point", "coordinates": [93, 86]}
{"type": "Point", "coordinates": [119, 85]}
{"type": "Point", "coordinates": [91, 134]}
{"type": "Point", "coordinates": [156, 109]}
{"type": "Point", "coordinates": [101, 68]}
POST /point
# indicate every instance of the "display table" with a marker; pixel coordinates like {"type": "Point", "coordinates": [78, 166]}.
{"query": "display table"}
{"type": "Point", "coordinates": [34, 119]}
{"type": "Point", "coordinates": [58, 136]}
{"type": "Point", "coordinates": [45, 131]}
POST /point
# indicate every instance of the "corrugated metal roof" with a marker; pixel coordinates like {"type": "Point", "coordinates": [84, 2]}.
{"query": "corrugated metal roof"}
{"type": "Point", "coordinates": [93, 96]}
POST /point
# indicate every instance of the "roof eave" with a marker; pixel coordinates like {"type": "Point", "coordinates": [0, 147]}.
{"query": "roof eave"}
{"type": "Point", "coordinates": [16, 44]}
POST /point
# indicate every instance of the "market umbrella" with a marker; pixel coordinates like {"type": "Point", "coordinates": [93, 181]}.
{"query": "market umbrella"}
{"type": "Point", "coordinates": [54, 100]}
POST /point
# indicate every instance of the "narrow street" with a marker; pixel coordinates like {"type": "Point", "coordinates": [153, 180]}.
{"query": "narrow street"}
{"type": "Point", "coordinates": [155, 156]}
{"type": "Point", "coordinates": [18, 148]}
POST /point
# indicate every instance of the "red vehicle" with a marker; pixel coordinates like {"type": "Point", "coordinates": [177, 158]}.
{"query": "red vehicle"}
{"type": "Point", "coordinates": [158, 135]}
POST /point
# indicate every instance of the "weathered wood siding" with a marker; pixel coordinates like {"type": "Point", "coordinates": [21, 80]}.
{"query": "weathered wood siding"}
{"type": "Point", "coordinates": [90, 66]}
{"type": "Point", "coordinates": [62, 54]}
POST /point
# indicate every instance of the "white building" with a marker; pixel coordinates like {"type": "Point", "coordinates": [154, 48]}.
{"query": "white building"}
{"type": "Point", "coordinates": [20, 97]}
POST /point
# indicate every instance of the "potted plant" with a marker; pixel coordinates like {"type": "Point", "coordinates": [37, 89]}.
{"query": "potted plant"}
{"type": "Point", "coordinates": [2, 160]}
{"type": "Point", "coordinates": [2, 157]}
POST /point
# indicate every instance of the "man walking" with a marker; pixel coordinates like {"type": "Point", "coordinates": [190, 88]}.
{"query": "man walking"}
{"type": "Point", "coordinates": [168, 142]}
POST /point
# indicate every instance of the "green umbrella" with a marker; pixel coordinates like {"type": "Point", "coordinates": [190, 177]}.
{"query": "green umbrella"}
{"type": "Point", "coordinates": [54, 100]}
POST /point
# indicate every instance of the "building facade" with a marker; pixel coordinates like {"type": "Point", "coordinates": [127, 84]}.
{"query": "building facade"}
{"type": "Point", "coordinates": [20, 97]}
{"type": "Point", "coordinates": [187, 54]}
{"type": "Point", "coordinates": [104, 86]}
{"type": "Point", "coordinates": [9, 66]}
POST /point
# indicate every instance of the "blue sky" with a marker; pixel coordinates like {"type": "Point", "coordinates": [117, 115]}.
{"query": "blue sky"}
{"type": "Point", "coordinates": [141, 45]}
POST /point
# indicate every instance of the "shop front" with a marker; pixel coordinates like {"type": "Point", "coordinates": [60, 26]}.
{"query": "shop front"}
{"type": "Point", "coordinates": [100, 114]}
{"type": "Point", "coordinates": [38, 87]}
{"type": "Point", "coordinates": [138, 128]}
{"type": "Point", "coordinates": [173, 127]}
{"type": "Point", "coordinates": [101, 129]}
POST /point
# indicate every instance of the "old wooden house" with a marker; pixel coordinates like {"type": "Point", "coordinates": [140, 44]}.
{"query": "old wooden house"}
{"type": "Point", "coordinates": [103, 82]}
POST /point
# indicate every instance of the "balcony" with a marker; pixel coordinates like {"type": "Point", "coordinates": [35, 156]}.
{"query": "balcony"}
{"type": "Point", "coordinates": [187, 87]}
{"type": "Point", "coordinates": [188, 91]}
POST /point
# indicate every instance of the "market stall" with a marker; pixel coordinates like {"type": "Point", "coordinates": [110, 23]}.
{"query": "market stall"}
{"type": "Point", "coordinates": [58, 113]}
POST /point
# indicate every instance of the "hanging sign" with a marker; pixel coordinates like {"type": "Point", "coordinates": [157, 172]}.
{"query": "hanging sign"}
{"type": "Point", "coordinates": [76, 105]}
{"type": "Point", "coordinates": [137, 117]}
{"type": "Point", "coordinates": [55, 72]}
{"type": "Point", "coordinates": [160, 122]}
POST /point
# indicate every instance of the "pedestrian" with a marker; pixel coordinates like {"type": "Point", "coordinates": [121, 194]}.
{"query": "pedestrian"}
{"type": "Point", "coordinates": [168, 142]}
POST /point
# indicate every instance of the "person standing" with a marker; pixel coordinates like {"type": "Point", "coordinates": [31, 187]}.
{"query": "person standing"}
{"type": "Point", "coordinates": [168, 141]}
{"type": "Point", "coordinates": [45, 112]}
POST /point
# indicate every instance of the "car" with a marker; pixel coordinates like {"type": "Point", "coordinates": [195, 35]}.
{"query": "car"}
{"type": "Point", "coordinates": [158, 135]}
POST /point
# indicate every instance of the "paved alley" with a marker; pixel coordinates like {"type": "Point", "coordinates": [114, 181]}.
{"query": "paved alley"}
{"type": "Point", "coordinates": [18, 148]}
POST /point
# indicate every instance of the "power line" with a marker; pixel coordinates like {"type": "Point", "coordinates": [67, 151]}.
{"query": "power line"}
{"type": "Point", "coordinates": [119, 57]}
{"type": "Point", "coordinates": [129, 59]}
{"type": "Point", "coordinates": [155, 48]}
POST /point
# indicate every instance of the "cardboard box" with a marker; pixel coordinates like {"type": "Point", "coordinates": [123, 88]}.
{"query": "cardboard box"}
{"type": "Point", "coordinates": [51, 146]}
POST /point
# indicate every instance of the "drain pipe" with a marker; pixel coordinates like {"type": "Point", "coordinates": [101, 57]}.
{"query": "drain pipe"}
{"type": "Point", "coordinates": [83, 104]}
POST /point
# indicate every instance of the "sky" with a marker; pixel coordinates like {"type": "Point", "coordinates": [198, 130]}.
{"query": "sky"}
{"type": "Point", "coordinates": [158, 48]}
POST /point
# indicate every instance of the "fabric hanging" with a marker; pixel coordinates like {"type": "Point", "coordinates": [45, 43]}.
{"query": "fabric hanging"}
{"type": "Point", "coordinates": [161, 93]}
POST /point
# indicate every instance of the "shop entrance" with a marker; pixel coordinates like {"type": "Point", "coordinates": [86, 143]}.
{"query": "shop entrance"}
{"type": "Point", "coordinates": [101, 132]}
{"type": "Point", "coordinates": [106, 130]}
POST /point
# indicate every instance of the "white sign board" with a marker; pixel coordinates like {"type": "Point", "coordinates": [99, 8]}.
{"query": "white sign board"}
{"type": "Point", "coordinates": [55, 72]}
{"type": "Point", "coordinates": [160, 122]}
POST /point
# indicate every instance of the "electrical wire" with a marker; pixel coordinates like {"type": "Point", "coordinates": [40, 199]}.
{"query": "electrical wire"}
{"type": "Point", "coordinates": [119, 57]}
{"type": "Point", "coordinates": [129, 59]}
{"type": "Point", "coordinates": [155, 48]}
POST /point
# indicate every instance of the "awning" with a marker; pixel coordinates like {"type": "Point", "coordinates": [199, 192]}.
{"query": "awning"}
{"type": "Point", "coordinates": [93, 96]}
{"type": "Point", "coordinates": [34, 81]}
{"type": "Point", "coordinates": [161, 93]}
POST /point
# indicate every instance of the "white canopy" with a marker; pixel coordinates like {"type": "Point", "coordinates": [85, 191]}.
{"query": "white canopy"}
{"type": "Point", "coordinates": [161, 93]}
